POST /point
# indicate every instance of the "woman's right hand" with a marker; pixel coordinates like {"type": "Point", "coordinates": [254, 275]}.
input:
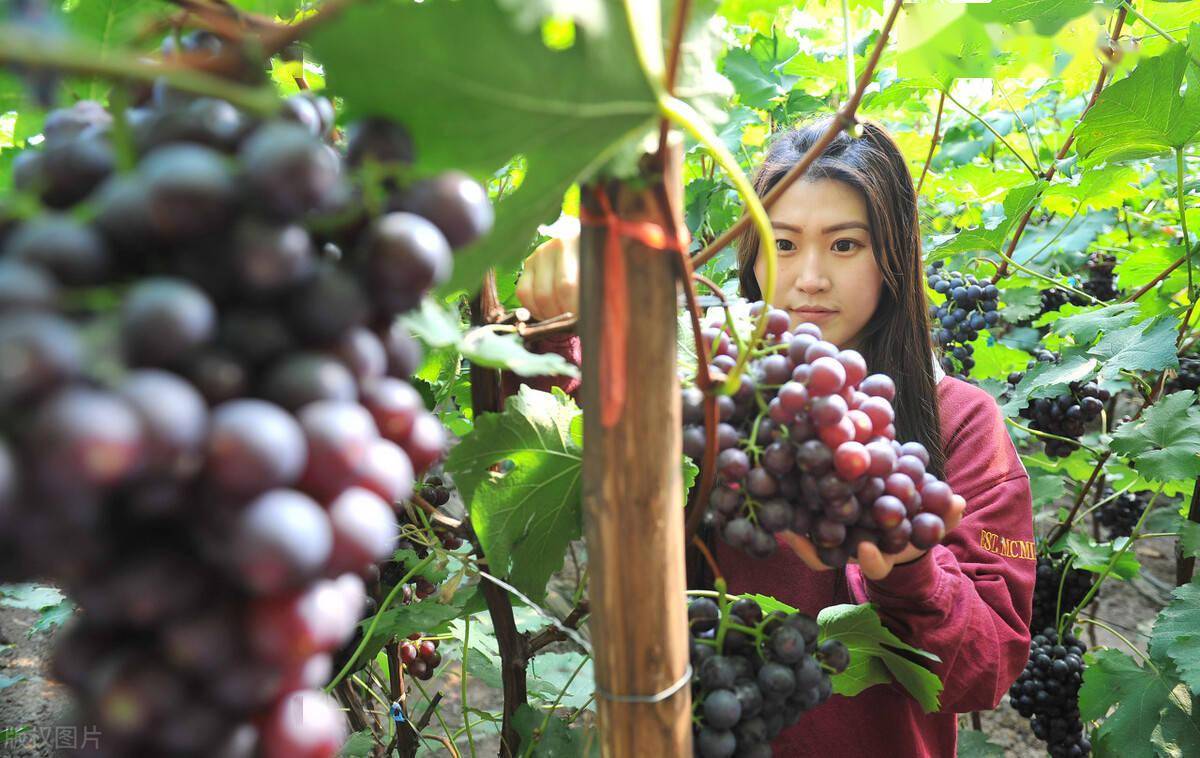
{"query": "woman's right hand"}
{"type": "Point", "coordinates": [549, 285]}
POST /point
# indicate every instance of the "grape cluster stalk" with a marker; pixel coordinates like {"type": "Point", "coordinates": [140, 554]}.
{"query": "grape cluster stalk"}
{"type": "Point", "coordinates": [807, 444]}
{"type": "Point", "coordinates": [205, 419]}
{"type": "Point", "coordinates": [968, 308]}
{"type": "Point", "coordinates": [754, 675]}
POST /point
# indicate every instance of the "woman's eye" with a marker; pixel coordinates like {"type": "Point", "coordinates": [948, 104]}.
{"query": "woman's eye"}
{"type": "Point", "coordinates": [785, 245]}
{"type": "Point", "coordinates": [852, 245]}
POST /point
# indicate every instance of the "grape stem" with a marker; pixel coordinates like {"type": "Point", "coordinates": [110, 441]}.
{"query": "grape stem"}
{"type": "Point", "coordinates": [387, 601]}
{"type": "Point", "coordinates": [528, 749]}
{"type": "Point", "coordinates": [845, 118]}
{"type": "Point", "coordinates": [1036, 174]}
{"type": "Point", "coordinates": [1068, 621]}
{"type": "Point", "coordinates": [1122, 638]}
{"type": "Point", "coordinates": [1049, 436]}
{"type": "Point", "coordinates": [19, 46]}
{"type": "Point", "coordinates": [1002, 271]}
{"type": "Point", "coordinates": [937, 125]}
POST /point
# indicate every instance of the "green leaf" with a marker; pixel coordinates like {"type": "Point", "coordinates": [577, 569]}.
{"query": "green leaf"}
{"type": "Point", "coordinates": [945, 42]}
{"type": "Point", "coordinates": [1189, 538]}
{"type": "Point", "coordinates": [991, 239]}
{"type": "Point", "coordinates": [974, 744]}
{"type": "Point", "coordinates": [507, 351]}
{"type": "Point", "coordinates": [1048, 16]}
{"type": "Point", "coordinates": [1148, 346]}
{"type": "Point", "coordinates": [360, 745]}
{"type": "Point", "coordinates": [1176, 634]}
{"type": "Point", "coordinates": [1165, 441]}
{"type": "Point", "coordinates": [433, 324]}
{"type": "Point", "coordinates": [1048, 379]}
{"type": "Point", "coordinates": [1142, 696]}
{"type": "Point", "coordinates": [995, 360]}
{"type": "Point", "coordinates": [430, 616]}
{"type": "Point", "coordinates": [557, 740]}
{"type": "Point", "coordinates": [1141, 115]}
{"type": "Point", "coordinates": [873, 655]}
{"type": "Point", "coordinates": [52, 616]}
{"type": "Point", "coordinates": [1047, 487]}
{"type": "Point", "coordinates": [8, 681]}
{"type": "Point", "coordinates": [1084, 324]}
{"type": "Point", "coordinates": [548, 674]}
{"type": "Point", "coordinates": [526, 516]}
{"type": "Point", "coordinates": [110, 23]}
{"type": "Point", "coordinates": [1095, 556]}
{"type": "Point", "coordinates": [494, 93]}
{"type": "Point", "coordinates": [1021, 303]}
{"type": "Point", "coordinates": [30, 597]}
{"type": "Point", "coordinates": [757, 72]}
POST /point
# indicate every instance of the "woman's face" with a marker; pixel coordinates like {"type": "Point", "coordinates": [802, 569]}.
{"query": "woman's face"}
{"type": "Point", "coordinates": [827, 272]}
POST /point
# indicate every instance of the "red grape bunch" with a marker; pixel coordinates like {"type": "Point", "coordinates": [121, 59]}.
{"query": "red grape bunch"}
{"type": "Point", "coordinates": [205, 419]}
{"type": "Point", "coordinates": [807, 444]}
{"type": "Point", "coordinates": [754, 675]}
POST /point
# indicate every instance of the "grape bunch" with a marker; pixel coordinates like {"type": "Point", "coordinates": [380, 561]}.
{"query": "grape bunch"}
{"type": "Point", "coordinates": [205, 423]}
{"type": "Point", "coordinates": [1047, 693]}
{"type": "Point", "coordinates": [752, 681]}
{"type": "Point", "coordinates": [969, 307]}
{"type": "Point", "coordinates": [821, 460]}
{"type": "Point", "coordinates": [1052, 592]}
{"type": "Point", "coordinates": [1100, 283]}
{"type": "Point", "coordinates": [1119, 515]}
{"type": "Point", "coordinates": [1065, 415]}
{"type": "Point", "coordinates": [1188, 376]}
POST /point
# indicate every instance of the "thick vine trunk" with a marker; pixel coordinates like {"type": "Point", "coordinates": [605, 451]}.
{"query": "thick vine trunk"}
{"type": "Point", "coordinates": [632, 487]}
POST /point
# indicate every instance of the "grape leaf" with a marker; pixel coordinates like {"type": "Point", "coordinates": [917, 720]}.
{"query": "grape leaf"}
{"type": "Point", "coordinates": [495, 93]}
{"type": "Point", "coordinates": [1148, 346]}
{"type": "Point", "coordinates": [551, 671]}
{"type": "Point", "coordinates": [1016, 202]}
{"type": "Point", "coordinates": [873, 655]}
{"type": "Point", "coordinates": [557, 740]}
{"type": "Point", "coordinates": [1048, 16]}
{"type": "Point", "coordinates": [1189, 538]}
{"type": "Point", "coordinates": [1095, 556]}
{"type": "Point", "coordinates": [944, 41]}
{"type": "Point", "coordinates": [1047, 487]}
{"type": "Point", "coordinates": [525, 517]}
{"type": "Point", "coordinates": [1049, 379]}
{"type": "Point", "coordinates": [757, 72]}
{"type": "Point", "coordinates": [1165, 441]}
{"type": "Point", "coordinates": [1176, 634]}
{"type": "Point", "coordinates": [360, 745]}
{"type": "Point", "coordinates": [974, 744]}
{"type": "Point", "coordinates": [1021, 303]}
{"type": "Point", "coordinates": [30, 597]}
{"type": "Point", "coordinates": [8, 681]}
{"type": "Point", "coordinates": [1142, 694]}
{"type": "Point", "coordinates": [1084, 324]}
{"type": "Point", "coordinates": [1143, 114]}
{"type": "Point", "coordinates": [429, 616]}
{"type": "Point", "coordinates": [110, 22]}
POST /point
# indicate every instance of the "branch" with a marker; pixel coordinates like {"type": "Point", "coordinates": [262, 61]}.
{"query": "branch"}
{"type": "Point", "coordinates": [844, 118]}
{"type": "Point", "coordinates": [937, 125]}
{"type": "Point", "coordinates": [1002, 271]}
{"type": "Point", "coordinates": [1185, 567]}
{"type": "Point", "coordinates": [1162, 274]}
{"type": "Point", "coordinates": [552, 633]}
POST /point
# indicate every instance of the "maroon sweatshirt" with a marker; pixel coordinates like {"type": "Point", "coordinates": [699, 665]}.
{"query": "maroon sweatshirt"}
{"type": "Point", "coordinates": [967, 601]}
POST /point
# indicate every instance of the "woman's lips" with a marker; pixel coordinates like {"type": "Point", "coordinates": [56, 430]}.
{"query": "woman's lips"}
{"type": "Point", "coordinates": [813, 314]}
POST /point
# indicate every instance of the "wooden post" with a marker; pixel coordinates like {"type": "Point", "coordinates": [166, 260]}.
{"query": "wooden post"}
{"type": "Point", "coordinates": [632, 486]}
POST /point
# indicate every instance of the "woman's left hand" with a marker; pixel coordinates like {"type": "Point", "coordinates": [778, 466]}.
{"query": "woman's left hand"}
{"type": "Point", "coordinates": [875, 563]}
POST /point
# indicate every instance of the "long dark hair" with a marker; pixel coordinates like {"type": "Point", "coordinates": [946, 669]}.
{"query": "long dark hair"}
{"type": "Point", "coordinates": [896, 340]}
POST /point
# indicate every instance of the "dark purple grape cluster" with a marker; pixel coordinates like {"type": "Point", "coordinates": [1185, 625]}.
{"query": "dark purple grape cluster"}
{"type": "Point", "coordinates": [1054, 298]}
{"type": "Point", "coordinates": [808, 444]}
{"type": "Point", "coordinates": [754, 675]}
{"type": "Point", "coordinates": [1055, 596]}
{"type": "Point", "coordinates": [1100, 284]}
{"type": "Point", "coordinates": [205, 418]}
{"type": "Point", "coordinates": [1065, 415]}
{"type": "Point", "coordinates": [1119, 515]}
{"type": "Point", "coordinates": [1047, 693]}
{"type": "Point", "coordinates": [969, 307]}
{"type": "Point", "coordinates": [1188, 376]}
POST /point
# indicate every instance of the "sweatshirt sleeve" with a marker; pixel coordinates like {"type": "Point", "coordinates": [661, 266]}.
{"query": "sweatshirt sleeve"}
{"type": "Point", "coordinates": [565, 344]}
{"type": "Point", "coordinates": [968, 601]}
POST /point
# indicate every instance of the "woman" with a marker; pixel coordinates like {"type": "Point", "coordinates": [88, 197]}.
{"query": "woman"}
{"type": "Point", "coordinates": [850, 261]}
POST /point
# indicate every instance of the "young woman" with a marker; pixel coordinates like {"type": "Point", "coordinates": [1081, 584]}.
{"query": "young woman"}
{"type": "Point", "coordinates": [849, 252]}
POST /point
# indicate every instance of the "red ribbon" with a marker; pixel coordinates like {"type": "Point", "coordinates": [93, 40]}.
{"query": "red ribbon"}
{"type": "Point", "coordinates": [615, 331]}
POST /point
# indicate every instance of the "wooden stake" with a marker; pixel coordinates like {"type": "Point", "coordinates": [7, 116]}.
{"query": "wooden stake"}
{"type": "Point", "coordinates": [632, 487]}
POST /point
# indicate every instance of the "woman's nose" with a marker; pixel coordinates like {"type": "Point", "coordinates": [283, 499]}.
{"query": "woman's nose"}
{"type": "Point", "coordinates": [810, 273]}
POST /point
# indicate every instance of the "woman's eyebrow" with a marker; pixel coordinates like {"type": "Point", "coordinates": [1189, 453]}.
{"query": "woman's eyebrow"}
{"type": "Point", "coordinates": [834, 228]}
